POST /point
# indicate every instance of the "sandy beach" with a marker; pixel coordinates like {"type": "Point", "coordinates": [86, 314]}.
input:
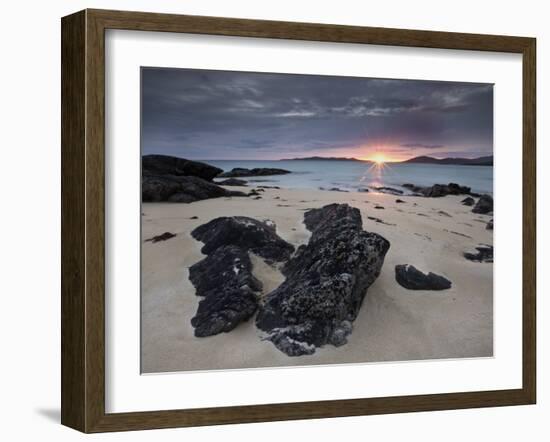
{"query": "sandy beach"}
{"type": "Point", "coordinates": [394, 324]}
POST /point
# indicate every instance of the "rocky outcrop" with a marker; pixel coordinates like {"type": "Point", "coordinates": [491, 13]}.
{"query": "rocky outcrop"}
{"type": "Point", "coordinates": [257, 171]}
{"type": "Point", "coordinates": [180, 189]}
{"type": "Point", "coordinates": [230, 292]}
{"type": "Point", "coordinates": [468, 201]}
{"type": "Point", "coordinates": [484, 205]}
{"type": "Point", "coordinates": [439, 190]}
{"type": "Point", "coordinates": [167, 165]}
{"type": "Point", "coordinates": [326, 281]}
{"type": "Point", "coordinates": [232, 182]}
{"type": "Point", "coordinates": [258, 237]}
{"type": "Point", "coordinates": [411, 278]}
{"type": "Point", "coordinates": [484, 254]}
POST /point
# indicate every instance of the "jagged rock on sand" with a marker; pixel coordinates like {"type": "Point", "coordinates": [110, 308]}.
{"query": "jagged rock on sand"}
{"type": "Point", "coordinates": [484, 254]}
{"type": "Point", "coordinates": [229, 289]}
{"type": "Point", "coordinates": [168, 165]}
{"type": "Point", "coordinates": [326, 281]}
{"type": "Point", "coordinates": [181, 189]}
{"type": "Point", "coordinates": [468, 201]}
{"type": "Point", "coordinates": [484, 205]}
{"type": "Point", "coordinates": [411, 278]}
{"type": "Point", "coordinates": [258, 171]}
{"type": "Point", "coordinates": [259, 237]}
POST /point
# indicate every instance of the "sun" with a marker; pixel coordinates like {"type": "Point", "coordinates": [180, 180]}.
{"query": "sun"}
{"type": "Point", "coordinates": [379, 158]}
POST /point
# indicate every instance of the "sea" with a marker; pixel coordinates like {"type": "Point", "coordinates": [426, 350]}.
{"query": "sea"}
{"type": "Point", "coordinates": [354, 175]}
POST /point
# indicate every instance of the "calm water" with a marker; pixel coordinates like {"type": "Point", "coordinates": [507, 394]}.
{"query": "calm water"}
{"type": "Point", "coordinates": [351, 175]}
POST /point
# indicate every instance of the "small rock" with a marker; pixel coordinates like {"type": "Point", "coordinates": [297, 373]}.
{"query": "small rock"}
{"type": "Point", "coordinates": [399, 201]}
{"type": "Point", "coordinates": [468, 201]}
{"type": "Point", "coordinates": [411, 278]}
{"type": "Point", "coordinates": [337, 189]}
{"type": "Point", "coordinates": [489, 225]}
{"type": "Point", "coordinates": [163, 237]}
{"type": "Point", "coordinates": [484, 254]}
{"type": "Point", "coordinates": [484, 205]}
{"type": "Point", "coordinates": [378, 207]}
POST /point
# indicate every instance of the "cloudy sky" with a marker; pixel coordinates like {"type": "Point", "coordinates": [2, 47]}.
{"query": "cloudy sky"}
{"type": "Point", "coordinates": [200, 114]}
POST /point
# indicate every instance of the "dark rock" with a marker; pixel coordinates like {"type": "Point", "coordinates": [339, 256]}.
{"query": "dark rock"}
{"type": "Point", "coordinates": [269, 187]}
{"type": "Point", "coordinates": [489, 225]}
{"type": "Point", "coordinates": [413, 187]}
{"type": "Point", "coordinates": [379, 221]}
{"type": "Point", "coordinates": [438, 190]}
{"type": "Point", "coordinates": [257, 198]}
{"type": "Point", "coordinates": [484, 205]}
{"type": "Point", "coordinates": [230, 291]}
{"type": "Point", "coordinates": [326, 281]}
{"type": "Point", "coordinates": [163, 237]}
{"type": "Point", "coordinates": [232, 182]}
{"type": "Point", "coordinates": [399, 201]}
{"type": "Point", "coordinates": [257, 171]}
{"type": "Point", "coordinates": [252, 235]}
{"type": "Point", "coordinates": [411, 278]}
{"type": "Point", "coordinates": [168, 165]}
{"type": "Point", "coordinates": [336, 189]}
{"type": "Point", "coordinates": [379, 207]}
{"type": "Point", "coordinates": [484, 254]}
{"type": "Point", "coordinates": [390, 190]}
{"type": "Point", "coordinates": [468, 201]}
{"type": "Point", "coordinates": [362, 189]}
{"type": "Point", "coordinates": [180, 189]}
{"type": "Point", "coordinates": [194, 217]}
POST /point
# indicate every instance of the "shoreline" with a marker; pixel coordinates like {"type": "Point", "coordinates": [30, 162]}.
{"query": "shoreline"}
{"type": "Point", "coordinates": [394, 324]}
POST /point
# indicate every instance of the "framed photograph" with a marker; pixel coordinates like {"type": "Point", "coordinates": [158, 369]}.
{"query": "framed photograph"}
{"type": "Point", "coordinates": [270, 220]}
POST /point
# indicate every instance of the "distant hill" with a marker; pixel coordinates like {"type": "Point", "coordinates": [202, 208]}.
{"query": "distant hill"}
{"type": "Point", "coordinates": [322, 159]}
{"type": "Point", "coordinates": [481, 161]}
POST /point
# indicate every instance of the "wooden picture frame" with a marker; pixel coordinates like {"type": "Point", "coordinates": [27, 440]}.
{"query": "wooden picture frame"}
{"type": "Point", "coordinates": [83, 220]}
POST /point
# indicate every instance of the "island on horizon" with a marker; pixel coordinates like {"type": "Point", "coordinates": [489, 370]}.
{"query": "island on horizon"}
{"type": "Point", "coordinates": [424, 159]}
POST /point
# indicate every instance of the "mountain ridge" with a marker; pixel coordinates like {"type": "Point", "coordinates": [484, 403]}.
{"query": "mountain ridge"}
{"type": "Point", "coordinates": [479, 161]}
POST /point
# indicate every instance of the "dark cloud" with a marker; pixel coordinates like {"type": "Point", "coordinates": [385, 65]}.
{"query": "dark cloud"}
{"type": "Point", "coordinates": [220, 114]}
